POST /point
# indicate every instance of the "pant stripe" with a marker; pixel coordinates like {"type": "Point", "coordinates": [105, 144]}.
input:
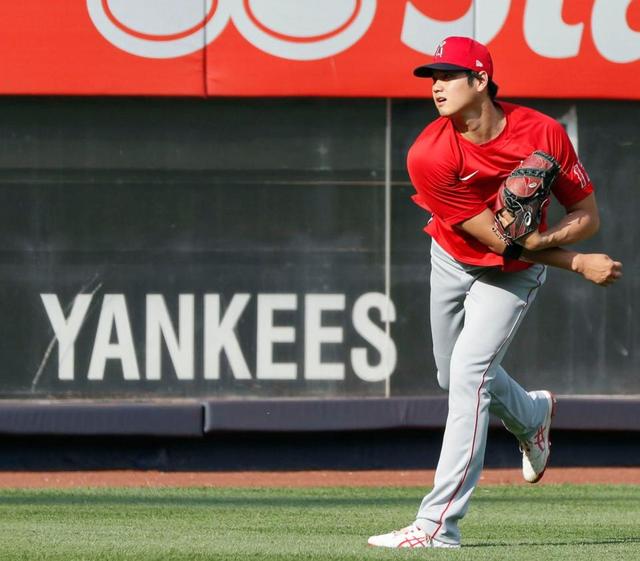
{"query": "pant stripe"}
{"type": "Point", "coordinates": [475, 426]}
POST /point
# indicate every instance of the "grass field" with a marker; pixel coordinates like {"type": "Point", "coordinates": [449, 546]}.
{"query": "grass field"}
{"type": "Point", "coordinates": [572, 523]}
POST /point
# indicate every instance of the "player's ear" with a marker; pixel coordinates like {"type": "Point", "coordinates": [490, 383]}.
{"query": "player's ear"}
{"type": "Point", "coordinates": [482, 80]}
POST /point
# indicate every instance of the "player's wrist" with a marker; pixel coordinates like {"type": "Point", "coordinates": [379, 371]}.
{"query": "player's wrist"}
{"type": "Point", "coordinates": [512, 252]}
{"type": "Point", "coordinates": [577, 263]}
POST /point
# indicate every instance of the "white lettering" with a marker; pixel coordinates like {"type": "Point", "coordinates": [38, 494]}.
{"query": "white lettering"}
{"type": "Point", "coordinates": [268, 334]}
{"type": "Point", "coordinates": [284, 28]}
{"type": "Point", "coordinates": [114, 337]}
{"type": "Point", "coordinates": [66, 329]}
{"type": "Point", "coordinates": [491, 16]}
{"type": "Point", "coordinates": [159, 326]}
{"type": "Point", "coordinates": [377, 337]}
{"type": "Point", "coordinates": [161, 29]}
{"type": "Point", "coordinates": [612, 35]}
{"type": "Point", "coordinates": [221, 335]}
{"type": "Point", "coordinates": [315, 335]}
{"type": "Point", "coordinates": [113, 314]}
{"type": "Point", "coordinates": [296, 30]}
{"type": "Point", "coordinates": [483, 20]}
{"type": "Point", "coordinates": [304, 31]}
{"type": "Point", "coordinates": [547, 34]}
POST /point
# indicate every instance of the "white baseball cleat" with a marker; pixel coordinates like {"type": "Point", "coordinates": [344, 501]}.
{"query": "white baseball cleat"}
{"type": "Point", "coordinates": [411, 536]}
{"type": "Point", "coordinates": [536, 450]}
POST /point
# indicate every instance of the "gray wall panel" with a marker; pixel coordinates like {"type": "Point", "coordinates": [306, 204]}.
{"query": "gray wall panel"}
{"type": "Point", "coordinates": [139, 197]}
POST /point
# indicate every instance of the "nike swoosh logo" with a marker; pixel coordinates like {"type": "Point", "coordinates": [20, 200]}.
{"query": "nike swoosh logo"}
{"type": "Point", "coordinates": [467, 177]}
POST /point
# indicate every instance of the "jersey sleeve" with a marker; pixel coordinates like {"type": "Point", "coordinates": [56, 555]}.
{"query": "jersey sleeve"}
{"type": "Point", "coordinates": [439, 190]}
{"type": "Point", "coordinates": [573, 183]}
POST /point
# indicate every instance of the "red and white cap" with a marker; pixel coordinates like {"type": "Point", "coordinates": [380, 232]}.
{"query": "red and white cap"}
{"type": "Point", "coordinates": [458, 53]}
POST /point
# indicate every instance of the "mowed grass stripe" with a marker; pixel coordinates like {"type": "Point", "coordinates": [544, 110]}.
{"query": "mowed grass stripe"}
{"type": "Point", "coordinates": [512, 523]}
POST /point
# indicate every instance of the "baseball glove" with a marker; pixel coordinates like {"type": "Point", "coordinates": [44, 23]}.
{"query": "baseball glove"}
{"type": "Point", "coordinates": [524, 194]}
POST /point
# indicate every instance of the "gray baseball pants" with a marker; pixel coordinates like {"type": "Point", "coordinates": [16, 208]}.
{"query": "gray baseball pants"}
{"type": "Point", "coordinates": [475, 313]}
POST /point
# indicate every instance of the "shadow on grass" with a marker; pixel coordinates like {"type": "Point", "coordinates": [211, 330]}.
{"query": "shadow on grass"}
{"type": "Point", "coordinates": [261, 498]}
{"type": "Point", "coordinates": [241, 501]}
{"type": "Point", "coordinates": [572, 543]}
{"type": "Point", "coordinates": [553, 499]}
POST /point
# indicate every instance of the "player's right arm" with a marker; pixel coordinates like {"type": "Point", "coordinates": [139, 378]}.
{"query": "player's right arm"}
{"type": "Point", "coordinates": [598, 268]}
{"type": "Point", "coordinates": [595, 267]}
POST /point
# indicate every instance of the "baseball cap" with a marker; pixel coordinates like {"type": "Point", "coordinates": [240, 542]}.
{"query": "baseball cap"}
{"type": "Point", "coordinates": [458, 53]}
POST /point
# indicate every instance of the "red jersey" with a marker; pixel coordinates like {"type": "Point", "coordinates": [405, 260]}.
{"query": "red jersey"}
{"type": "Point", "coordinates": [456, 179]}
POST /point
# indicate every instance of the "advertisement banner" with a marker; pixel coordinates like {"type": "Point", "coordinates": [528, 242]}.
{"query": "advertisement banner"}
{"type": "Point", "coordinates": [363, 48]}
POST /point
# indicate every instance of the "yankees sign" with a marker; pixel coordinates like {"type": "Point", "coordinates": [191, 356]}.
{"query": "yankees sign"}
{"type": "Point", "coordinates": [113, 337]}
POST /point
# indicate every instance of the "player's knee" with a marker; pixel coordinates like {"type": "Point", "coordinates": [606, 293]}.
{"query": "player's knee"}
{"type": "Point", "coordinates": [443, 379]}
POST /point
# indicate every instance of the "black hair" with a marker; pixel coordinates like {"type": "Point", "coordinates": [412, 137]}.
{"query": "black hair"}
{"type": "Point", "coordinates": [493, 88]}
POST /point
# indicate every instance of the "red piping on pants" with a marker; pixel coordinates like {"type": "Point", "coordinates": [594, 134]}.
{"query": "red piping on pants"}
{"type": "Point", "coordinates": [475, 427]}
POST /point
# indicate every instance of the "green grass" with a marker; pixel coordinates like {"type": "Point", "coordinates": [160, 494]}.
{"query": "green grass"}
{"type": "Point", "coordinates": [572, 523]}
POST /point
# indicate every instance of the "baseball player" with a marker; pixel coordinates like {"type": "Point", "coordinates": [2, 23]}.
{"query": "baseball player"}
{"type": "Point", "coordinates": [471, 167]}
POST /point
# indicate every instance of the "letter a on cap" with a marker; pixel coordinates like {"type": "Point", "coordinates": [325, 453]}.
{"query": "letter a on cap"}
{"type": "Point", "coordinates": [440, 49]}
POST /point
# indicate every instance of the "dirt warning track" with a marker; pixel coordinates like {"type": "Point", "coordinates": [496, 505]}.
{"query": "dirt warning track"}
{"type": "Point", "coordinates": [377, 478]}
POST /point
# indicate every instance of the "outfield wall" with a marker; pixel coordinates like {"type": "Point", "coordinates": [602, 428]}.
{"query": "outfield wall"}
{"type": "Point", "coordinates": [395, 433]}
{"type": "Point", "coordinates": [239, 248]}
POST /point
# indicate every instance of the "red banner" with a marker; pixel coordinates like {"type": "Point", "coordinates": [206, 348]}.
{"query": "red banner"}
{"type": "Point", "coordinates": [541, 48]}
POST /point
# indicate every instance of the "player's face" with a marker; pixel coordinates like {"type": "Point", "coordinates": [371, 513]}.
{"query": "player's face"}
{"type": "Point", "coordinates": [452, 92]}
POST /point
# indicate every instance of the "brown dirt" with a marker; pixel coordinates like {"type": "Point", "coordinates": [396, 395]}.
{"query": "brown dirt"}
{"type": "Point", "coordinates": [299, 478]}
